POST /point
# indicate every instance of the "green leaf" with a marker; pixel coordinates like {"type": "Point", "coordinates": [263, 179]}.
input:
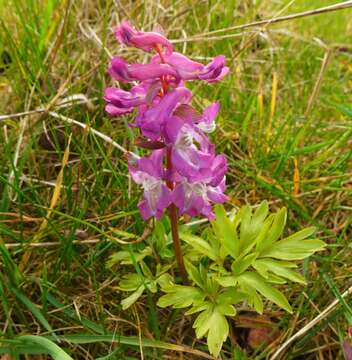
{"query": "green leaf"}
{"type": "Point", "coordinates": [302, 234]}
{"type": "Point", "coordinates": [199, 244]}
{"type": "Point", "coordinates": [226, 309]}
{"type": "Point", "coordinates": [263, 233]}
{"type": "Point", "coordinates": [275, 279]}
{"type": "Point", "coordinates": [197, 308]}
{"type": "Point", "coordinates": [124, 257]}
{"type": "Point", "coordinates": [47, 345]}
{"type": "Point", "coordinates": [180, 296]}
{"type": "Point", "coordinates": [194, 274]}
{"type": "Point", "coordinates": [225, 230]}
{"type": "Point", "coordinates": [253, 298]}
{"type": "Point", "coordinates": [218, 333]}
{"type": "Point", "coordinates": [231, 296]}
{"type": "Point", "coordinates": [208, 236]}
{"type": "Point", "coordinates": [245, 228]}
{"type": "Point", "coordinates": [291, 249]}
{"type": "Point", "coordinates": [201, 323]}
{"type": "Point", "coordinates": [33, 309]}
{"type": "Point", "coordinates": [165, 281]}
{"type": "Point", "coordinates": [159, 236]}
{"type": "Point", "coordinates": [145, 270]}
{"type": "Point", "coordinates": [72, 314]}
{"type": "Point", "coordinates": [259, 216]}
{"type": "Point", "coordinates": [276, 229]}
{"type": "Point", "coordinates": [130, 282]}
{"type": "Point", "coordinates": [242, 264]}
{"type": "Point", "coordinates": [10, 266]}
{"type": "Point", "coordinates": [227, 281]}
{"type": "Point", "coordinates": [259, 283]}
{"type": "Point", "coordinates": [120, 339]}
{"type": "Point", "coordinates": [252, 226]}
{"type": "Point", "coordinates": [130, 300]}
{"type": "Point", "coordinates": [279, 268]}
{"type": "Point", "coordinates": [212, 323]}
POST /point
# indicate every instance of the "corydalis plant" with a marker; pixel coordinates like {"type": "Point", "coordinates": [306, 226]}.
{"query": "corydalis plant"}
{"type": "Point", "coordinates": [183, 174]}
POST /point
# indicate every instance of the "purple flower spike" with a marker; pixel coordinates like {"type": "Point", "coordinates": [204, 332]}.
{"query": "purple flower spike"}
{"type": "Point", "coordinates": [183, 168]}
{"type": "Point", "coordinates": [122, 71]}
{"type": "Point", "coordinates": [149, 173]}
{"type": "Point", "coordinates": [146, 41]}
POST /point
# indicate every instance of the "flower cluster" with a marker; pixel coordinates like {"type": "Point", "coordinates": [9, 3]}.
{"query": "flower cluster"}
{"type": "Point", "coordinates": [183, 168]}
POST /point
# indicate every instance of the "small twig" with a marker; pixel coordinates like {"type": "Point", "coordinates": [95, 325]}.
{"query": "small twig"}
{"type": "Point", "coordinates": [311, 324]}
{"type": "Point", "coordinates": [318, 83]}
{"type": "Point", "coordinates": [91, 34]}
{"type": "Point", "coordinates": [322, 10]}
{"type": "Point", "coordinates": [147, 231]}
{"type": "Point", "coordinates": [75, 99]}
{"type": "Point", "coordinates": [51, 243]}
{"type": "Point", "coordinates": [90, 129]}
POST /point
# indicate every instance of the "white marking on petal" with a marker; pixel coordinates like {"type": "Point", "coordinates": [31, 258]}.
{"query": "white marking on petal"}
{"type": "Point", "coordinates": [207, 128]}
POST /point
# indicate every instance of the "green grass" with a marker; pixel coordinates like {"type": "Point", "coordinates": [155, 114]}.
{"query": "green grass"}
{"type": "Point", "coordinates": [67, 289]}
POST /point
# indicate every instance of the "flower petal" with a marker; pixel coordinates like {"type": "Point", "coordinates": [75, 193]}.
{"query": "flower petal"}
{"type": "Point", "coordinates": [153, 120]}
{"type": "Point", "coordinates": [215, 70]}
{"type": "Point", "coordinates": [186, 68]}
{"type": "Point", "coordinates": [146, 41]}
{"type": "Point", "coordinates": [122, 71]}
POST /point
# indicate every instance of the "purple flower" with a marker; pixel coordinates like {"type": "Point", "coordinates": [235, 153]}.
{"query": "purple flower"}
{"type": "Point", "coordinates": [197, 198]}
{"type": "Point", "coordinates": [120, 102]}
{"type": "Point", "coordinates": [153, 120]}
{"type": "Point", "coordinates": [205, 122]}
{"type": "Point", "coordinates": [191, 151]}
{"type": "Point", "coordinates": [149, 173]}
{"type": "Point", "coordinates": [122, 71]}
{"type": "Point", "coordinates": [146, 41]}
{"type": "Point", "coordinates": [188, 69]}
{"type": "Point", "coordinates": [214, 71]}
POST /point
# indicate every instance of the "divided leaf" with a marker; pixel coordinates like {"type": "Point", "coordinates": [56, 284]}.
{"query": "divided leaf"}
{"type": "Point", "coordinates": [130, 300]}
{"type": "Point", "coordinates": [225, 230]}
{"type": "Point", "coordinates": [125, 257]}
{"type": "Point", "coordinates": [213, 323]}
{"type": "Point", "coordinates": [279, 268]}
{"type": "Point", "coordinates": [259, 283]}
{"type": "Point", "coordinates": [292, 249]}
{"type": "Point", "coordinates": [242, 264]}
{"type": "Point", "coordinates": [180, 296]}
{"type": "Point", "coordinates": [199, 244]}
{"type": "Point", "coordinates": [275, 230]}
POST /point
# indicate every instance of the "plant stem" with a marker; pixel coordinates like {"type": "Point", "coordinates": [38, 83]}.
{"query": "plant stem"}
{"type": "Point", "coordinates": [173, 211]}
{"type": "Point", "coordinates": [173, 214]}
